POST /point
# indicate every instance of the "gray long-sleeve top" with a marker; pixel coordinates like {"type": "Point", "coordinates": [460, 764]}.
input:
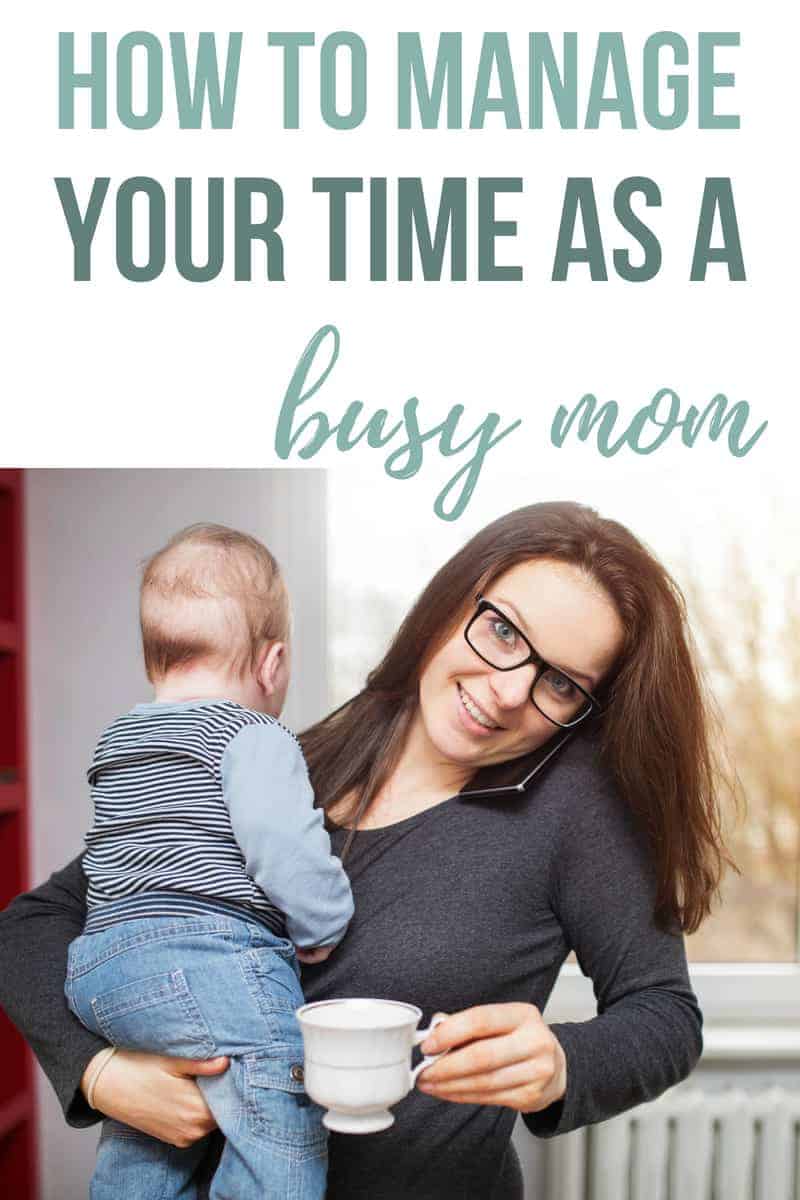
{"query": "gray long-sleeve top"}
{"type": "Point", "coordinates": [477, 900]}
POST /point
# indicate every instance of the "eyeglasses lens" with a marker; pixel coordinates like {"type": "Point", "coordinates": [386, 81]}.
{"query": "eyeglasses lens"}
{"type": "Point", "coordinates": [497, 641]}
{"type": "Point", "coordinates": [559, 699]}
{"type": "Point", "coordinates": [500, 644]}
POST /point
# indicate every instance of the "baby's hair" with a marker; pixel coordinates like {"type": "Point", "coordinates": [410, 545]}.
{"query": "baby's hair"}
{"type": "Point", "coordinates": [214, 594]}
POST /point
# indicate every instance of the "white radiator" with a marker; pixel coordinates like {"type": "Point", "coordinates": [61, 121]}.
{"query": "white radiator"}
{"type": "Point", "coordinates": [687, 1145]}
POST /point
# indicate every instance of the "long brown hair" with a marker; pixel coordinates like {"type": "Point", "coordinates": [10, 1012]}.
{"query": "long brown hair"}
{"type": "Point", "coordinates": [657, 730]}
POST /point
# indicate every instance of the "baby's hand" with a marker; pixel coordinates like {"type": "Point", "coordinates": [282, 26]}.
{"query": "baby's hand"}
{"type": "Point", "coordinates": [313, 954]}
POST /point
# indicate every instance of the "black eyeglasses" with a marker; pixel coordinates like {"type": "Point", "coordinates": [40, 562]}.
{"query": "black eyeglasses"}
{"type": "Point", "coordinates": [503, 646]}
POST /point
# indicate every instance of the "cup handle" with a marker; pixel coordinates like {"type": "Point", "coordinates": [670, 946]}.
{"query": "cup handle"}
{"type": "Point", "coordinates": [420, 1036]}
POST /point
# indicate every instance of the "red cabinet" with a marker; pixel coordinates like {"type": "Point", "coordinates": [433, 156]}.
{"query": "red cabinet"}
{"type": "Point", "coordinates": [17, 1112]}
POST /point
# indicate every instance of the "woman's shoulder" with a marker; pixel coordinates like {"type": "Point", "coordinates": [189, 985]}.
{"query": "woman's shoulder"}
{"type": "Point", "coordinates": [579, 761]}
{"type": "Point", "coordinates": [578, 790]}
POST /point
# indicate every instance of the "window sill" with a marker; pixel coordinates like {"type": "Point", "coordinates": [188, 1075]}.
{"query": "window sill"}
{"type": "Point", "coordinates": [730, 994]}
{"type": "Point", "coordinates": [752, 1043]}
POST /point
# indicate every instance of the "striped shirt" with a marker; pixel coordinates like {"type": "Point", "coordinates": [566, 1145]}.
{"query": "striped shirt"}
{"type": "Point", "coordinates": [206, 806]}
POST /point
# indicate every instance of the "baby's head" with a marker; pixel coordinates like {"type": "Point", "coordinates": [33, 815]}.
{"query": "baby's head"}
{"type": "Point", "coordinates": [215, 619]}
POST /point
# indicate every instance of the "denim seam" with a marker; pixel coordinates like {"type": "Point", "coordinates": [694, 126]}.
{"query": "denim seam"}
{"type": "Point", "coordinates": [266, 1004]}
{"type": "Point", "coordinates": [179, 991]}
{"type": "Point", "coordinates": [184, 927]}
{"type": "Point", "coordinates": [260, 1126]}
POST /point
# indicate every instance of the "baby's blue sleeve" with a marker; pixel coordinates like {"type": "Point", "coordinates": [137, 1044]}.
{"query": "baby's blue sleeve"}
{"type": "Point", "coordinates": [282, 836]}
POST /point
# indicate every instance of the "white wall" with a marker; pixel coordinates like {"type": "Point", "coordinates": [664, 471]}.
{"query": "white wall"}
{"type": "Point", "coordinates": [87, 532]}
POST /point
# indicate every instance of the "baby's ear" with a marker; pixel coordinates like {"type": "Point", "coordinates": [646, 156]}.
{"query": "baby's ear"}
{"type": "Point", "coordinates": [268, 666]}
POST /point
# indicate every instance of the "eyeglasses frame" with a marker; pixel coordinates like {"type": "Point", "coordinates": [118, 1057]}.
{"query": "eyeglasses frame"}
{"type": "Point", "coordinates": [541, 664]}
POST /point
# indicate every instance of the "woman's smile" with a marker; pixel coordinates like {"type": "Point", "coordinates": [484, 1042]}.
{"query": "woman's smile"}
{"type": "Point", "coordinates": [473, 717]}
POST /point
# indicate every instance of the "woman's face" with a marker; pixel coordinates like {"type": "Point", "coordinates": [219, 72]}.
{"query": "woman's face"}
{"type": "Point", "coordinates": [472, 714]}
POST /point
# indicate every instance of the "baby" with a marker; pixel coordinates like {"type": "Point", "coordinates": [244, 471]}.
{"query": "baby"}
{"type": "Point", "coordinates": [207, 863]}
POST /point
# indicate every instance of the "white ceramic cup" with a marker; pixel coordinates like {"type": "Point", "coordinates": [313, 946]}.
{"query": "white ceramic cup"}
{"type": "Point", "coordinates": [357, 1059]}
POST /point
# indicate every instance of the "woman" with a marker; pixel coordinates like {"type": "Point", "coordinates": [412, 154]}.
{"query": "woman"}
{"type": "Point", "coordinates": [527, 772]}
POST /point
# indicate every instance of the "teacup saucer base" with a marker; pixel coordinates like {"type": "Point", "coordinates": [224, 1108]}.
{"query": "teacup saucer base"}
{"type": "Point", "coordinates": [352, 1122]}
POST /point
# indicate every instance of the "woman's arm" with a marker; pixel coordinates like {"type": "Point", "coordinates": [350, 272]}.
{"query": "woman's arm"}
{"type": "Point", "coordinates": [35, 932]}
{"type": "Point", "coordinates": [151, 1092]}
{"type": "Point", "coordinates": [647, 1035]}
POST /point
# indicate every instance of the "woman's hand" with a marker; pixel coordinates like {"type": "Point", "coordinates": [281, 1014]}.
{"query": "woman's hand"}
{"type": "Point", "coordinates": [156, 1094]}
{"type": "Point", "coordinates": [508, 1056]}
